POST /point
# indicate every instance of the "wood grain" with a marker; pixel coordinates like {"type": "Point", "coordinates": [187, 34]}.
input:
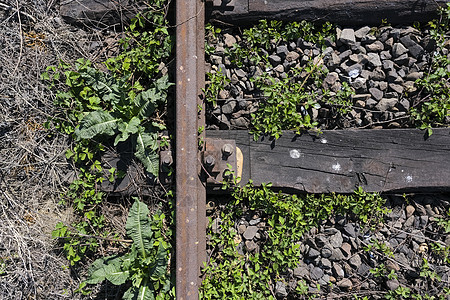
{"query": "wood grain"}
{"type": "Point", "coordinates": [340, 161]}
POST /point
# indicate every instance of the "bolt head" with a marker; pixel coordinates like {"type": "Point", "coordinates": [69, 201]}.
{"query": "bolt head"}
{"type": "Point", "coordinates": [227, 149]}
{"type": "Point", "coordinates": [167, 160]}
{"type": "Point", "coordinates": [210, 161]}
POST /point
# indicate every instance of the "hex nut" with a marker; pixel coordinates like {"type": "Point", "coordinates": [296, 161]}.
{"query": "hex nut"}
{"type": "Point", "coordinates": [167, 160]}
{"type": "Point", "coordinates": [210, 161]}
{"type": "Point", "coordinates": [227, 149]}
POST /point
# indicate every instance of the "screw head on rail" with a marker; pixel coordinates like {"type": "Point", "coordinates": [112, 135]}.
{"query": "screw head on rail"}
{"type": "Point", "coordinates": [227, 149]}
{"type": "Point", "coordinates": [210, 161]}
{"type": "Point", "coordinates": [167, 160]}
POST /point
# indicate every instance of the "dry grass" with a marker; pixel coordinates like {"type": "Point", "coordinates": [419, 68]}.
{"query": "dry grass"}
{"type": "Point", "coordinates": [33, 168]}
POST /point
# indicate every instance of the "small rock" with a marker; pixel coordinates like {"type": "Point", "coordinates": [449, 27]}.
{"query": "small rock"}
{"type": "Point", "coordinates": [333, 61]}
{"type": "Point", "coordinates": [275, 60]}
{"type": "Point", "coordinates": [251, 245]}
{"type": "Point", "coordinates": [418, 236]}
{"type": "Point", "coordinates": [344, 55]}
{"type": "Point", "coordinates": [229, 40]}
{"type": "Point", "coordinates": [363, 269]}
{"type": "Point", "coordinates": [409, 210]}
{"type": "Point", "coordinates": [345, 284]}
{"type": "Point", "coordinates": [392, 284]}
{"type": "Point", "coordinates": [388, 65]}
{"type": "Point", "coordinates": [389, 42]}
{"type": "Point", "coordinates": [386, 104]}
{"type": "Point", "coordinates": [280, 289]}
{"type": "Point", "coordinates": [346, 249]}
{"type": "Point", "coordinates": [360, 33]}
{"type": "Point", "coordinates": [321, 241]}
{"type": "Point", "coordinates": [374, 59]}
{"type": "Point", "coordinates": [336, 255]}
{"type": "Point", "coordinates": [355, 261]}
{"type": "Point", "coordinates": [404, 104]}
{"type": "Point", "coordinates": [382, 85]}
{"type": "Point", "coordinates": [313, 253]}
{"type": "Point", "coordinates": [229, 106]}
{"type": "Point", "coordinates": [354, 70]}
{"type": "Point", "coordinates": [240, 73]}
{"type": "Point", "coordinates": [254, 221]}
{"type": "Point", "coordinates": [224, 94]}
{"type": "Point", "coordinates": [359, 83]}
{"type": "Point", "coordinates": [370, 38]}
{"type": "Point", "coordinates": [414, 76]}
{"type": "Point", "coordinates": [316, 273]}
{"type": "Point", "coordinates": [349, 229]}
{"type": "Point", "coordinates": [292, 56]}
{"type": "Point", "coordinates": [360, 97]}
{"type": "Point", "coordinates": [376, 93]}
{"type": "Point", "coordinates": [429, 210]}
{"type": "Point", "coordinates": [376, 46]}
{"type": "Point", "coordinates": [402, 60]}
{"type": "Point", "coordinates": [301, 272]}
{"type": "Point", "coordinates": [282, 51]}
{"type": "Point", "coordinates": [330, 80]}
{"type": "Point", "coordinates": [336, 240]}
{"type": "Point", "coordinates": [415, 49]}
{"type": "Point", "coordinates": [279, 68]}
{"type": "Point", "coordinates": [396, 88]}
{"type": "Point", "coordinates": [220, 50]}
{"type": "Point", "coordinates": [398, 49]}
{"type": "Point", "coordinates": [347, 36]}
{"type": "Point", "coordinates": [326, 264]}
{"type": "Point", "coordinates": [378, 74]}
{"type": "Point", "coordinates": [360, 103]}
{"type": "Point", "coordinates": [409, 222]}
{"type": "Point", "coordinates": [384, 55]}
{"type": "Point", "coordinates": [338, 271]}
{"type": "Point", "coordinates": [216, 59]}
{"type": "Point", "coordinates": [326, 252]}
{"type": "Point", "coordinates": [224, 123]}
{"type": "Point", "coordinates": [250, 232]}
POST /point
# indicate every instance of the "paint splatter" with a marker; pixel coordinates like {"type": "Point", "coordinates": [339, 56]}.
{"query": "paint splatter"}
{"type": "Point", "coordinates": [409, 178]}
{"type": "Point", "coordinates": [323, 141]}
{"type": "Point", "coordinates": [295, 153]}
{"type": "Point", "coordinates": [336, 167]}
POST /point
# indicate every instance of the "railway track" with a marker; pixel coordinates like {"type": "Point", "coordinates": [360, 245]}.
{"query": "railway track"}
{"type": "Point", "coordinates": [220, 148]}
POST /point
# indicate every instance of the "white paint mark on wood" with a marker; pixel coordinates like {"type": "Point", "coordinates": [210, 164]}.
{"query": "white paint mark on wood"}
{"type": "Point", "coordinates": [409, 178]}
{"type": "Point", "coordinates": [336, 167]}
{"type": "Point", "coordinates": [323, 141]}
{"type": "Point", "coordinates": [295, 153]}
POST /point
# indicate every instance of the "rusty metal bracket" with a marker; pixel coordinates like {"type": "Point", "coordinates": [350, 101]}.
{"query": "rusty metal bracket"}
{"type": "Point", "coordinates": [218, 158]}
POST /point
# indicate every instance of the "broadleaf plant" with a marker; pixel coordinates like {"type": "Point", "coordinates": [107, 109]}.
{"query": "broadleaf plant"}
{"type": "Point", "coordinates": [145, 265]}
{"type": "Point", "coordinates": [111, 107]}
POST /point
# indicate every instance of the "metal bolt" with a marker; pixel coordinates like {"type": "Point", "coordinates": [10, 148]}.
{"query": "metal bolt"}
{"type": "Point", "coordinates": [227, 149]}
{"type": "Point", "coordinates": [210, 161]}
{"type": "Point", "coordinates": [167, 160]}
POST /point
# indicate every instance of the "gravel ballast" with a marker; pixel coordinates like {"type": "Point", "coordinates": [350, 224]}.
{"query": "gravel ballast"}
{"type": "Point", "coordinates": [380, 64]}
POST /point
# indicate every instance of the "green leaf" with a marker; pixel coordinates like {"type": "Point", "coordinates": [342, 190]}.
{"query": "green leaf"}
{"type": "Point", "coordinates": [126, 129]}
{"type": "Point", "coordinates": [97, 271]}
{"type": "Point", "coordinates": [160, 264]}
{"type": "Point", "coordinates": [96, 123]}
{"type": "Point", "coordinates": [131, 293]}
{"type": "Point", "coordinates": [114, 272]}
{"type": "Point", "coordinates": [146, 291]}
{"type": "Point", "coordinates": [146, 102]}
{"type": "Point", "coordinates": [146, 145]}
{"type": "Point", "coordinates": [139, 228]}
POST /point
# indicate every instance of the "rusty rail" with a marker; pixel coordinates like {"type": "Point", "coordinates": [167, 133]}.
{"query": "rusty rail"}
{"type": "Point", "coordinates": [190, 193]}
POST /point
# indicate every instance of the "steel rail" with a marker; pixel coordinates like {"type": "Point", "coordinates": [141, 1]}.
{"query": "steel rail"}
{"type": "Point", "coordinates": [190, 193]}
